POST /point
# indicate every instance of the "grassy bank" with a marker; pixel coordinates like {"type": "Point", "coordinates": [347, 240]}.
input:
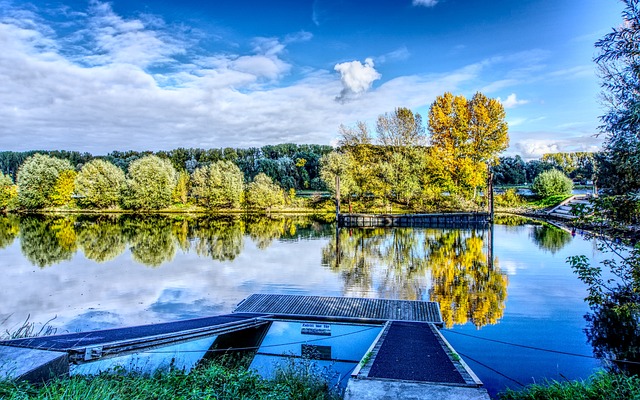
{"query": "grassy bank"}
{"type": "Point", "coordinates": [600, 386]}
{"type": "Point", "coordinates": [211, 381]}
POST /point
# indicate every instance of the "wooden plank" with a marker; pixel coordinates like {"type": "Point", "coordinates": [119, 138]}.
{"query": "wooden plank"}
{"type": "Point", "coordinates": [342, 307]}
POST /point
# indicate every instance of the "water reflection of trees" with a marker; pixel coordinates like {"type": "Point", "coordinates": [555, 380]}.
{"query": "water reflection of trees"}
{"type": "Point", "coordinates": [400, 263]}
{"type": "Point", "coordinates": [101, 239]}
{"type": "Point", "coordinates": [47, 240]}
{"type": "Point", "coordinates": [9, 230]}
{"type": "Point", "coordinates": [152, 239]}
{"type": "Point", "coordinates": [550, 238]}
{"type": "Point", "coordinates": [219, 238]}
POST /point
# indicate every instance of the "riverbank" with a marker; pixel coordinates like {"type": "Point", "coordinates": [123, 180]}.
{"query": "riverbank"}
{"type": "Point", "coordinates": [213, 380]}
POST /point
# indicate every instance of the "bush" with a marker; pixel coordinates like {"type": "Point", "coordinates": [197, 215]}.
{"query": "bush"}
{"type": "Point", "coordinates": [510, 198]}
{"type": "Point", "coordinates": [552, 182]}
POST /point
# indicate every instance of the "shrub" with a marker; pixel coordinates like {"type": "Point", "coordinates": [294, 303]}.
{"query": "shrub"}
{"type": "Point", "coordinates": [510, 198]}
{"type": "Point", "coordinates": [552, 182]}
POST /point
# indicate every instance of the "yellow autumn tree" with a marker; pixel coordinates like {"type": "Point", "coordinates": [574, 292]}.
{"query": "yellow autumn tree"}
{"type": "Point", "coordinates": [468, 135]}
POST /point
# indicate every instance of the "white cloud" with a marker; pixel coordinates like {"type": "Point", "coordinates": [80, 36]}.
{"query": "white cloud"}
{"type": "Point", "coordinates": [356, 77]}
{"type": "Point", "coordinates": [400, 54]}
{"type": "Point", "coordinates": [511, 101]}
{"type": "Point", "coordinates": [534, 145]}
{"type": "Point", "coordinates": [136, 83]}
{"type": "Point", "coordinates": [425, 3]}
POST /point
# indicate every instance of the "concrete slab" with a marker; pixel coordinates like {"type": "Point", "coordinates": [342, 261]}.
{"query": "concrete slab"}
{"type": "Point", "coordinates": [370, 389]}
{"type": "Point", "coordinates": [32, 365]}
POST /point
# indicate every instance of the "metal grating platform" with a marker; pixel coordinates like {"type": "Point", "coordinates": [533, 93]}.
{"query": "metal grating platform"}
{"type": "Point", "coordinates": [342, 307]}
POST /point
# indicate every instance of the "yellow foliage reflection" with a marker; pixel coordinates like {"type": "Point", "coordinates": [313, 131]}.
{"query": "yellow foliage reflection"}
{"type": "Point", "coordinates": [451, 267]}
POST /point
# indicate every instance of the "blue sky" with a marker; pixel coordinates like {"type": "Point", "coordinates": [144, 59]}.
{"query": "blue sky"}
{"type": "Point", "coordinates": [157, 75]}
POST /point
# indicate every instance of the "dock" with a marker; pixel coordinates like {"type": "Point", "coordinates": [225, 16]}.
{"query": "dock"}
{"type": "Point", "coordinates": [341, 308]}
{"type": "Point", "coordinates": [387, 348]}
{"type": "Point", "coordinates": [441, 220]}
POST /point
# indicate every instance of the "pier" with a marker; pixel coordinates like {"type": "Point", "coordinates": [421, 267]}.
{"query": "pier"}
{"type": "Point", "coordinates": [386, 348]}
{"type": "Point", "coordinates": [442, 220]}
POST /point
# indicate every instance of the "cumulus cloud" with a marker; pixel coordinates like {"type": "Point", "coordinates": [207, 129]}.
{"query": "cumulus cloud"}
{"type": "Point", "coordinates": [511, 101]}
{"type": "Point", "coordinates": [106, 82]}
{"type": "Point", "coordinates": [425, 3]}
{"type": "Point", "coordinates": [356, 77]}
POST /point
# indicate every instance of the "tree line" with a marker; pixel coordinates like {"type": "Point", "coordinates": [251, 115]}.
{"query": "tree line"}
{"type": "Point", "coordinates": [443, 165]}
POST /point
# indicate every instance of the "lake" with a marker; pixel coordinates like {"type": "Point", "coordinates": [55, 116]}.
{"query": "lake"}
{"type": "Point", "coordinates": [501, 304]}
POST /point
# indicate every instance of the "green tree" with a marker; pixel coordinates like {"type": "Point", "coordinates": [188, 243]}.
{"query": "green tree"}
{"type": "Point", "coordinates": [552, 182]}
{"type": "Point", "coordinates": [335, 165]}
{"type": "Point", "coordinates": [181, 191]}
{"type": "Point", "coordinates": [150, 184]}
{"type": "Point", "coordinates": [64, 188]}
{"type": "Point", "coordinates": [218, 185]}
{"type": "Point", "coordinates": [400, 128]}
{"type": "Point", "coordinates": [8, 192]}
{"type": "Point", "coordinates": [99, 184]}
{"type": "Point", "coordinates": [37, 178]}
{"type": "Point", "coordinates": [619, 64]}
{"type": "Point", "coordinates": [262, 193]}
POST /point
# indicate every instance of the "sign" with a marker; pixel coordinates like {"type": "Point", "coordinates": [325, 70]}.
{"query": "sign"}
{"type": "Point", "coordinates": [310, 328]}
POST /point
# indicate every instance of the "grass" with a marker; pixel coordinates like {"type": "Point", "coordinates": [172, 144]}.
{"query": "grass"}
{"type": "Point", "coordinates": [209, 381]}
{"type": "Point", "coordinates": [549, 201]}
{"type": "Point", "coordinates": [600, 386]}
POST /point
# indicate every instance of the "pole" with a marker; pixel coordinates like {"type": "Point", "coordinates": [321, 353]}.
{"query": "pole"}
{"type": "Point", "coordinates": [337, 197]}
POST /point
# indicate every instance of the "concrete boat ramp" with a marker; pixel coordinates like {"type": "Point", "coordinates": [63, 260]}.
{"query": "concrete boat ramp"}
{"type": "Point", "coordinates": [380, 349]}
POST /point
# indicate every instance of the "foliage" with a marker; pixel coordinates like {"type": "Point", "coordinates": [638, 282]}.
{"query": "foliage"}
{"type": "Point", "coordinates": [341, 165]}
{"type": "Point", "coordinates": [510, 171]}
{"type": "Point", "coordinates": [8, 192]}
{"type": "Point", "coordinates": [550, 183]}
{"type": "Point", "coordinates": [99, 184]}
{"type": "Point", "coordinates": [208, 381]}
{"type": "Point", "coordinates": [150, 184]}
{"type": "Point", "coordinates": [579, 166]}
{"type": "Point", "coordinates": [613, 325]}
{"type": "Point", "coordinates": [64, 188]}
{"type": "Point", "coordinates": [619, 65]}
{"type": "Point", "coordinates": [37, 178]}
{"type": "Point", "coordinates": [218, 185]}
{"type": "Point", "coordinates": [262, 193]}
{"type": "Point", "coordinates": [402, 128]}
{"type": "Point", "coordinates": [468, 134]}
{"type": "Point", "coordinates": [181, 191]}
{"type": "Point", "coordinates": [509, 198]}
{"type": "Point", "coordinates": [601, 385]}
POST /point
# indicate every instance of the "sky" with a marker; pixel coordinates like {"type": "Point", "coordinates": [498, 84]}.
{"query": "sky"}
{"type": "Point", "coordinates": [95, 76]}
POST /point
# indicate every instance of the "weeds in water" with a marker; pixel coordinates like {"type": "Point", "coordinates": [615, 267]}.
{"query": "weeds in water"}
{"type": "Point", "coordinates": [28, 329]}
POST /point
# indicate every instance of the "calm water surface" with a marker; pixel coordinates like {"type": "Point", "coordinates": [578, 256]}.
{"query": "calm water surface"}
{"type": "Point", "coordinates": [94, 272]}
